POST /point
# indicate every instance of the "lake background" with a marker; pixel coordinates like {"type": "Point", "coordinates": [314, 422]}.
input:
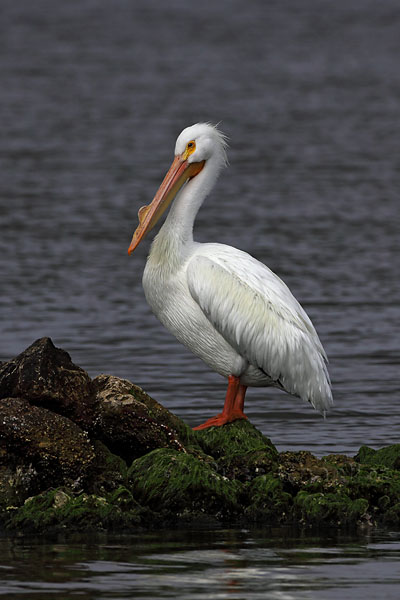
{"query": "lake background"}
{"type": "Point", "coordinates": [93, 95]}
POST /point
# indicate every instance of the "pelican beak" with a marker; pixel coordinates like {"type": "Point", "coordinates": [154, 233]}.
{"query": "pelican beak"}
{"type": "Point", "coordinates": [179, 172]}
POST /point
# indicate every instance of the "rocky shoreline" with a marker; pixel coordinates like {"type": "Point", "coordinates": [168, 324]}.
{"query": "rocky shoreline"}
{"type": "Point", "coordinates": [100, 454]}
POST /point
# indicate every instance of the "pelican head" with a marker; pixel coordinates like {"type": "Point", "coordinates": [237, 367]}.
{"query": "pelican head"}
{"type": "Point", "coordinates": [196, 146]}
{"type": "Point", "coordinates": [208, 142]}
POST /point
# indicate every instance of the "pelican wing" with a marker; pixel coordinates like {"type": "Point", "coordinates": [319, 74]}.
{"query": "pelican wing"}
{"type": "Point", "coordinates": [258, 316]}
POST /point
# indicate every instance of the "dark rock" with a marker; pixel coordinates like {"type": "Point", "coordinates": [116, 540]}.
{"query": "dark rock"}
{"type": "Point", "coordinates": [299, 469]}
{"type": "Point", "coordinates": [132, 424]}
{"type": "Point", "coordinates": [49, 446]}
{"type": "Point", "coordinates": [108, 471]}
{"type": "Point", "coordinates": [17, 482]}
{"type": "Point", "coordinates": [46, 376]}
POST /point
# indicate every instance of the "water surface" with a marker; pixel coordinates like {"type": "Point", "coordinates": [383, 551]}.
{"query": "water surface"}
{"type": "Point", "coordinates": [93, 96]}
{"type": "Point", "coordinates": [203, 564]}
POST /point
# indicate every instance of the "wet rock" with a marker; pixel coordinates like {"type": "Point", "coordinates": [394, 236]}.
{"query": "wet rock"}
{"type": "Point", "coordinates": [42, 448]}
{"type": "Point", "coordinates": [239, 449]}
{"type": "Point", "coordinates": [267, 500]}
{"type": "Point", "coordinates": [379, 485]}
{"type": "Point", "coordinates": [239, 436]}
{"type": "Point", "coordinates": [303, 490]}
{"type": "Point", "coordinates": [58, 510]}
{"type": "Point", "coordinates": [17, 482]}
{"type": "Point", "coordinates": [102, 454]}
{"type": "Point", "coordinates": [132, 424]}
{"type": "Point", "coordinates": [331, 509]}
{"type": "Point", "coordinates": [108, 471]}
{"type": "Point", "coordinates": [337, 491]}
{"type": "Point", "coordinates": [181, 485]}
{"type": "Point", "coordinates": [339, 463]}
{"type": "Point", "coordinates": [386, 457]}
{"type": "Point", "coordinates": [45, 376]}
{"type": "Point", "coordinates": [301, 469]}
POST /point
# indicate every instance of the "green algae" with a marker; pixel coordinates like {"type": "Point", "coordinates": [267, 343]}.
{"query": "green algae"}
{"type": "Point", "coordinates": [391, 516]}
{"type": "Point", "coordinates": [380, 485]}
{"type": "Point", "coordinates": [267, 500]}
{"type": "Point", "coordinates": [56, 510]}
{"type": "Point", "coordinates": [238, 437]}
{"type": "Point", "coordinates": [245, 467]}
{"type": "Point", "coordinates": [240, 451]}
{"type": "Point", "coordinates": [348, 494]}
{"type": "Point", "coordinates": [331, 509]}
{"type": "Point", "coordinates": [385, 457]}
{"type": "Point", "coordinates": [333, 491]}
{"type": "Point", "coordinates": [167, 487]}
{"type": "Point", "coordinates": [178, 483]}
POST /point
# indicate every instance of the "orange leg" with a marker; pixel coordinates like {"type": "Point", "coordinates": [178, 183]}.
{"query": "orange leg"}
{"type": "Point", "coordinates": [233, 407]}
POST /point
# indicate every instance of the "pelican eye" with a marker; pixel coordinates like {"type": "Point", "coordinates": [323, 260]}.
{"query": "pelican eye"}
{"type": "Point", "coordinates": [190, 148]}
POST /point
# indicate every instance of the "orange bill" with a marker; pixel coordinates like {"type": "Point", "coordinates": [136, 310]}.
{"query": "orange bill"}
{"type": "Point", "coordinates": [179, 172]}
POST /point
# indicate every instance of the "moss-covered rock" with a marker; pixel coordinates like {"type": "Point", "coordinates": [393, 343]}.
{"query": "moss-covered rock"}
{"type": "Point", "coordinates": [379, 485]}
{"type": "Point", "coordinates": [385, 457]}
{"type": "Point", "coordinates": [179, 484]}
{"type": "Point", "coordinates": [66, 443]}
{"type": "Point", "coordinates": [239, 449]}
{"type": "Point", "coordinates": [108, 471]}
{"type": "Point", "coordinates": [391, 515]}
{"type": "Point", "coordinates": [329, 509]}
{"type": "Point", "coordinates": [267, 501]}
{"type": "Point", "coordinates": [57, 509]}
{"type": "Point", "coordinates": [234, 438]}
{"type": "Point", "coordinates": [338, 491]}
{"type": "Point", "coordinates": [301, 470]}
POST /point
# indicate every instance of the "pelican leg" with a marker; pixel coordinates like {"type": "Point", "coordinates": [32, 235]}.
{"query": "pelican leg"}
{"type": "Point", "coordinates": [239, 399]}
{"type": "Point", "coordinates": [233, 407]}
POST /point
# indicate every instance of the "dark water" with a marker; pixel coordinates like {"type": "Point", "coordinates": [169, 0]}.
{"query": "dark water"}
{"type": "Point", "coordinates": [239, 565]}
{"type": "Point", "coordinates": [92, 97]}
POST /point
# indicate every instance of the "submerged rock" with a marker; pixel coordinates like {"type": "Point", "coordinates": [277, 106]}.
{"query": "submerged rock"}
{"type": "Point", "coordinates": [97, 454]}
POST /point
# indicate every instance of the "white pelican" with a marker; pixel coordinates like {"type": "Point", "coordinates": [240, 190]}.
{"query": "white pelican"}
{"type": "Point", "coordinates": [224, 305]}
